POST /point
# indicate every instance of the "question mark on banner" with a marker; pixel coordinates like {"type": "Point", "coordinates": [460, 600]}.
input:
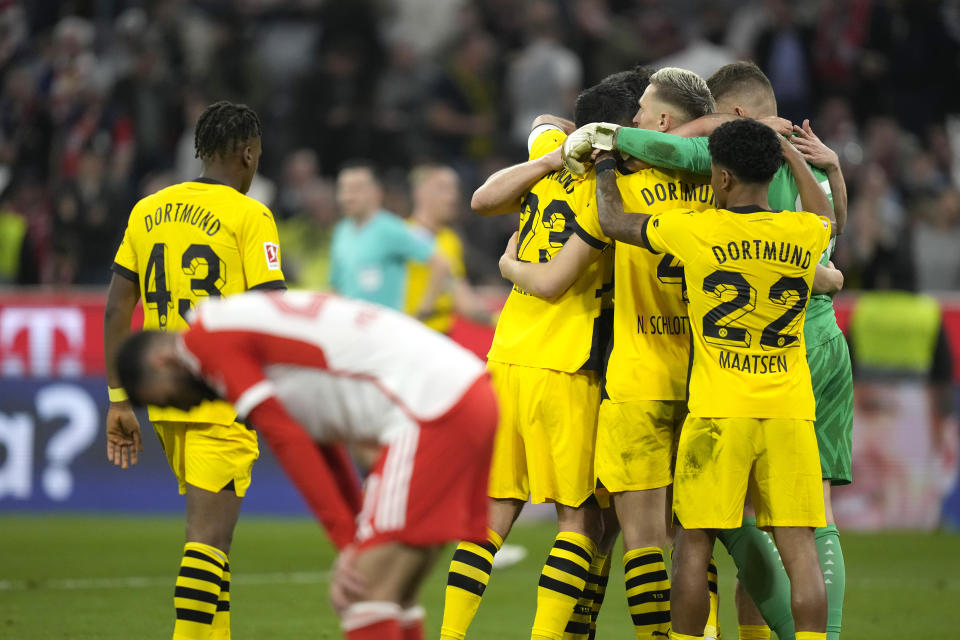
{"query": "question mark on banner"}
{"type": "Point", "coordinates": [76, 405]}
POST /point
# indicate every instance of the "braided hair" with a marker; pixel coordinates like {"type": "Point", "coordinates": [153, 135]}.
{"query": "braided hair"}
{"type": "Point", "coordinates": [222, 126]}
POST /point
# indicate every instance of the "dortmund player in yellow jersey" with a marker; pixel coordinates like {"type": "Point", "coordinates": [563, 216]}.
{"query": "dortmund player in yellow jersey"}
{"type": "Point", "coordinates": [436, 201]}
{"type": "Point", "coordinates": [645, 379]}
{"type": "Point", "coordinates": [749, 274]}
{"type": "Point", "coordinates": [182, 244]}
{"type": "Point", "coordinates": [544, 364]}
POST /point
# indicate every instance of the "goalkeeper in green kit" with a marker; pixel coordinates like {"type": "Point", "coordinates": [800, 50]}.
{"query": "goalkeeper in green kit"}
{"type": "Point", "coordinates": [741, 89]}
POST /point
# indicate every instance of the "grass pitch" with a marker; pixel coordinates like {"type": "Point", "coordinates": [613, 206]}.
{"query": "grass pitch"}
{"type": "Point", "coordinates": [111, 577]}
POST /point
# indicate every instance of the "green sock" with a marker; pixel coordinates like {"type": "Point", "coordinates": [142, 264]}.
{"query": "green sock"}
{"type": "Point", "coordinates": [761, 573]}
{"type": "Point", "coordinates": [834, 575]}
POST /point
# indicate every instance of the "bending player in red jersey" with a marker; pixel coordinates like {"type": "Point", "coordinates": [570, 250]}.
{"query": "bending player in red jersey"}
{"type": "Point", "coordinates": [311, 369]}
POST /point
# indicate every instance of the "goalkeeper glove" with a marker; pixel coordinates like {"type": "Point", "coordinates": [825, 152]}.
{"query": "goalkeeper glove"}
{"type": "Point", "coordinates": [579, 145]}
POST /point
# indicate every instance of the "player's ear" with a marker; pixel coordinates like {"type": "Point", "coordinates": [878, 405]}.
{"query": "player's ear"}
{"type": "Point", "coordinates": [666, 122]}
{"type": "Point", "coordinates": [726, 179]}
{"type": "Point", "coordinates": [247, 155]}
{"type": "Point", "coordinates": [739, 111]}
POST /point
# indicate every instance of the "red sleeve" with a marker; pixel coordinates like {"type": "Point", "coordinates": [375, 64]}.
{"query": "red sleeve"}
{"type": "Point", "coordinates": [319, 484]}
{"type": "Point", "coordinates": [324, 475]}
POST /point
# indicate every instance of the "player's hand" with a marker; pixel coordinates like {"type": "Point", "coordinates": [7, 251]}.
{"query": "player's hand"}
{"type": "Point", "coordinates": [580, 144]}
{"type": "Point", "coordinates": [781, 125]}
{"type": "Point", "coordinates": [509, 253]}
{"type": "Point", "coordinates": [812, 148]}
{"type": "Point", "coordinates": [348, 585]}
{"type": "Point", "coordinates": [554, 159]}
{"type": "Point", "coordinates": [123, 435]}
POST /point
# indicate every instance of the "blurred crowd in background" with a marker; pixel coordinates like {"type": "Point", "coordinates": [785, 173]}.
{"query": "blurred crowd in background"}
{"type": "Point", "coordinates": [100, 97]}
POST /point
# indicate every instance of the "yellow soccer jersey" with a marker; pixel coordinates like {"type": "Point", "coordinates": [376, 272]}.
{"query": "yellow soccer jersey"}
{"type": "Point", "coordinates": [559, 333]}
{"type": "Point", "coordinates": [651, 330]}
{"type": "Point", "coordinates": [749, 274]}
{"type": "Point", "coordinates": [190, 241]}
{"type": "Point", "coordinates": [418, 277]}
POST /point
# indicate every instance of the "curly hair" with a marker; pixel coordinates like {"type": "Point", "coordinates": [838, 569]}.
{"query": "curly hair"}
{"type": "Point", "coordinates": [748, 149]}
{"type": "Point", "coordinates": [222, 127]}
{"type": "Point", "coordinates": [605, 102]}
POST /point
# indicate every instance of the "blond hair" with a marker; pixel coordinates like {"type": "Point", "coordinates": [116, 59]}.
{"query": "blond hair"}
{"type": "Point", "coordinates": [684, 90]}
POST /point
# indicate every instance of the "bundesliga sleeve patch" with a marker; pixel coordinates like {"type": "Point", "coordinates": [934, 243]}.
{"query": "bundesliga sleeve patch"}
{"type": "Point", "coordinates": [272, 251]}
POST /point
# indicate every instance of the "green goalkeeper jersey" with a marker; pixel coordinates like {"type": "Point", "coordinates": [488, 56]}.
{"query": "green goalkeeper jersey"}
{"type": "Point", "coordinates": [693, 154]}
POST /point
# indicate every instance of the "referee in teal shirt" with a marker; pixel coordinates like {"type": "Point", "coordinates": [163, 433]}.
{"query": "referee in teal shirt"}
{"type": "Point", "coordinates": [370, 246]}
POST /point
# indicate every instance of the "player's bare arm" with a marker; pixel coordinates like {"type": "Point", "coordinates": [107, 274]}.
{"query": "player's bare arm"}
{"type": "Point", "coordinates": [503, 190]}
{"type": "Point", "coordinates": [548, 279]}
{"type": "Point", "coordinates": [123, 429]}
{"type": "Point", "coordinates": [614, 221]}
{"type": "Point", "coordinates": [827, 279]}
{"type": "Point", "coordinates": [820, 155]}
{"type": "Point", "coordinates": [812, 197]}
{"type": "Point", "coordinates": [563, 124]}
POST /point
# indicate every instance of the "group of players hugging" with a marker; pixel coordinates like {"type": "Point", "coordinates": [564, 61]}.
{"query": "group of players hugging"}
{"type": "Point", "coordinates": [667, 367]}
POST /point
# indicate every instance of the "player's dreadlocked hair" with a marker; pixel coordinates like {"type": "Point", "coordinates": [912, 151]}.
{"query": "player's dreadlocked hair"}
{"type": "Point", "coordinates": [222, 126]}
{"type": "Point", "coordinates": [749, 149]}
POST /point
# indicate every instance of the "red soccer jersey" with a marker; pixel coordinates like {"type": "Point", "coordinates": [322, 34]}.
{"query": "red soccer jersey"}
{"type": "Point", "coordinates": [305, 368]}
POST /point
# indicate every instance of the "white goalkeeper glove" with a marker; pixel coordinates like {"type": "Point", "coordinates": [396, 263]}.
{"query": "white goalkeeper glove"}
{"type": "Point", "coordinates": [579, 145]}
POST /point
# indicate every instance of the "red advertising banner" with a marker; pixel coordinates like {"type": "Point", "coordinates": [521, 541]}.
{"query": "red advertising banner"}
{"type": "Point", "coordinates": [60, 333]}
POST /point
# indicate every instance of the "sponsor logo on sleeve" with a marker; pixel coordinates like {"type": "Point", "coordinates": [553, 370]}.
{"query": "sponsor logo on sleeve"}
{"type": "Point", "coordinates": [272, 251]}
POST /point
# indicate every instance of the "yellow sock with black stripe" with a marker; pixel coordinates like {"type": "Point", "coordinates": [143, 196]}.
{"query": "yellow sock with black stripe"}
{"type": "Point", "coordinates": [466, 581]}
{"type": "Point", "coordinates": [811, 635]}
{"type": "Point", "coordinates": [753, 632]}
{"type": "Point", "coordinates": [648, 591]}
{"type": "Point", "coordinates": [562, 583]}
{"type": "Point", "coordinates": [583, 623]}
{"type": "Point", "coordinates": [712, 629]}
{"type": "Point", "coordinates": [597, 582]}
{"type": "Point", "coordinates": [198, 591]}
{"type": "Point", "coordinates": [682, 636]}
{"type": "Point", "coordinates": [221, 619]}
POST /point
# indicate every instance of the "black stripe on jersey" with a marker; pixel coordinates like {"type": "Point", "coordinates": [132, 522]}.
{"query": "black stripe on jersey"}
{"type": "Point", "coordinates": [466, 583]}
{"type": "Point", "coordinates": [646, 578]}
{"type": "Point", "coordinates": [643, 236]}
{"type": "Point", "coordinates": [596, 243]}
{"type": "Point", "coordinates": [572, 548]}
{"type": "Point", "coordinates": [472, 559]}
{"type": "Point", "coordinates": [567, 566]}
{"type": "Point", "coordinates": [196, 594]}
{"type": "Point", "coordinates": [190, 553]}
{"type": "Point", "coordinates": [272, 285]}
{"type": "Point", "coordinates": [560, 587]}
{"type": "Point", "coordinates": [194, 616]}
{"type": "Point", "coordinates": [123, 272]}
{"type": "Point", "coordinates": [223, 605]}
